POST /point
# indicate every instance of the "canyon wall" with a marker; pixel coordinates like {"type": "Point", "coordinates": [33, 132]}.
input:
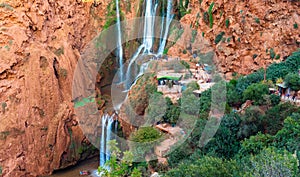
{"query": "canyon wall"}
{"type": "Point", "coordinates": [256, 32]}
{"type": "Point", "coordinates": [40, 43]}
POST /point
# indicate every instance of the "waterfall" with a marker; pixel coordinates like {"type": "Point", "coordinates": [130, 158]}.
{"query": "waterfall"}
{"type": "Point", "coordinates": [119, 43]}
{"type": "Point", "coordinates": [102, 142]}
{"type": "Point", "coordinates": [149, 25]}
{"type": "Point", "coordinates": [162, 23]}
{"type": "Point", "coordinates": [107, 122]}
{"type": "Point", "coordinates": [148, 39]}
{"type": "Point", "coordinates": [168, 19]}
{"type": "Point", "coordinates": [144, 49]}
{"type": "Point", "coordinates": [129, 79]}
{"type": "Point", "coordinates": [108, 136]}
{"type": "Point", "coordinates": [142, 70]}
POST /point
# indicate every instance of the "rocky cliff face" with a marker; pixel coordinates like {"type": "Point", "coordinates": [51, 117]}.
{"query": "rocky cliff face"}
{"type": "Point", "coordinates": [40, 42]}
{"type": "Point", "coordinates": [257, 32]}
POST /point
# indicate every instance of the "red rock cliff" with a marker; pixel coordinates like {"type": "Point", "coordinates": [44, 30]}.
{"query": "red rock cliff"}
{"type": "Point", "coordinates": [254, 27]}
{"type": "Point", "coordinates": [40, 42]}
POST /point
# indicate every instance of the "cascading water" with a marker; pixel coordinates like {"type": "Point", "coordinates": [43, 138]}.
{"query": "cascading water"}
{"type": "Point", "coordinates": [119, 43]}
{"type": "Point", "coordinates": [144, 49]}
{"type": "Point", "coordinates": [149, 25]}
{"type": "Point", "coordinates": [169, 18]}
{"type": "Point", "coordinates": [103, 142]}
{"type": "Point", "coordinates": [148, 36]}
{"type": "Point", "coordinates": [107, 122]}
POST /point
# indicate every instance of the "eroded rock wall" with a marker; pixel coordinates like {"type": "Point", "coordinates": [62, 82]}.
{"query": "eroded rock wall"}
{"type": "Point", "coordinates": [254, 27]}
{"type": "Point", "coordinates": [40, 43]}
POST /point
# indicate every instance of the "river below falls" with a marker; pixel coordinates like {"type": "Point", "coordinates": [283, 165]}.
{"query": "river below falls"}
{"type": "Point", "coordinates": [91, 165]}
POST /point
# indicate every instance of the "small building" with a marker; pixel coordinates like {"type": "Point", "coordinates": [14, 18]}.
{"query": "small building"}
{"type": "Point", "coordinates": [164, 77]}
{"type": "Point", "coordinates": [168, 82]}
{"type": "Point", "coordinates": [282, 89]}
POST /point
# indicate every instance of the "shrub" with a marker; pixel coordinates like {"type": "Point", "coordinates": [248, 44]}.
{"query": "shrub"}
{"type": "Point", "coordinates": [184, 51]}
{"type": "Point", "coordinates": [257, 20]}
{"type": "Point", "coordinates": [6, 6]}
{"type": "Point", "coordinates": [219, 37]}
{"type": "Point", "coordinates": [59, 51]}
{"type": "Point", "coordinates": [227, 23]}
{"type": "Point", "coordinates": [272, 53]}
{"type": "Point", "coordinates": [145, 134]}
{"type": "Point", "coordinates": [193, 85]}
{"type": "Point", "coordinates": [143, 141]}
{"type": "Point", "coordinates": [295, 26]}
{"type": "Point", "coordinates": [185, 64]}
{"type": "Point", "coordinates": [63, 73]}
{"type": "Point", "coordinates": [3, 105]}
{"type": "Point", "coordinates": [194, 34]}
{"type": "Point", "coordinates": [288, 136]}
{"type": "Point", "coordinates": [254, 56]}
{"type": "Point", "coordinates": [228, 39]}
{"type": "Point", "coordinates": [206, 17]}
{"type": "Point", "coordinates": [277, 56]}
{"type": "Point", "coordinates": [211, 20]}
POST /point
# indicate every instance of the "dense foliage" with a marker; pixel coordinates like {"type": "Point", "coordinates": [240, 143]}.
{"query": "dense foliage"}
{"type": "Point", "coordinates": [261, 139]}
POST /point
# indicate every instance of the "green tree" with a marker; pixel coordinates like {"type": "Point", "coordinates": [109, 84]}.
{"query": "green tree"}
{"type": "Point", "coordinates": [156, 108]}
{"type": "Point", "coordinates": [143, 141]}
{"type": "Point", "coordinates": [190, 104]}
{"type": "Point", "coordinates": [225, 143]}
{"type": "Point", "coordinates": [255, 144]}
{"type": "Point", "coordinates": [274, 117]}
{"type": "Point", "coordinates": [118, 168]}
{"type": "Point", "coordinates": [280, 70]}
{"type": "Point", "coordinates": [255, 92]}
{"type": "Point", "coordinates": [193, 85]}
{"type": "Point", "coordinates": [288, 136]}
{"type": "Point", "coordinates": [172, 113]}
{"type": "Point", "coordinates": [234, 99]}
{"type": "Point", "coordinates": [251, 122]}
{"type": "Point", "coordinates": [292, 80]}
{"type": "Point", "coordinates": [272, 162]}
{"type": "Point", "coordinates": [205, 167]}
{"type": "Point", "coordinates": [246, 81]}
